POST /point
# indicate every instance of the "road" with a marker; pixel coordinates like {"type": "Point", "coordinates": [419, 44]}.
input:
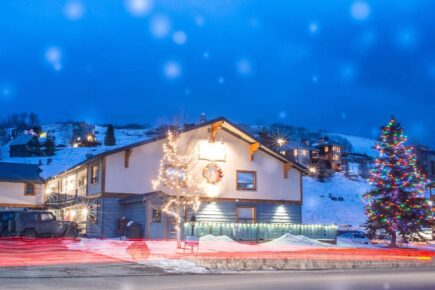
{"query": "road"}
{"type": "Point", "coordinates": [406, 279]}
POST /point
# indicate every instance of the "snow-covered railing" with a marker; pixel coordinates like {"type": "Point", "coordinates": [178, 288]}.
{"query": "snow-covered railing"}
{"type": "Point", "coordinates": [262, 231]}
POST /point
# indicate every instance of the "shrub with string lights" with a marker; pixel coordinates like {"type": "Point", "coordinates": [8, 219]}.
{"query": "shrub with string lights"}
{"type": "Point", "coordinates": [397, 202]}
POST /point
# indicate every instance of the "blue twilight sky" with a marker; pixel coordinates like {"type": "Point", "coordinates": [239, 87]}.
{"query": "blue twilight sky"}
{"type": "Point", "coordinates": [339, 65]}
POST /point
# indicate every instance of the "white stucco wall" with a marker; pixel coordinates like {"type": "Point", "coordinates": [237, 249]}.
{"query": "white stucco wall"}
{"type": "Point", "coordinates": [144, 164]}
{"type": "Point", "coordinates": [13, 193]}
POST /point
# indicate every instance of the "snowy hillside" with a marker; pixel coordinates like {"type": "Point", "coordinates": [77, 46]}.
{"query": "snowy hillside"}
{"type": "Point", "coordinates": [360, 144]}
{"type": "Point", "coordinates": [67, 157]}
{"type": "Point", "coordinates": [337, 201]}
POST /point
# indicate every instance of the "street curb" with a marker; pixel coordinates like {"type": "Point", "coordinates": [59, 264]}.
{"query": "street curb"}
{"type": "Point", "coordinates": [292, 264]}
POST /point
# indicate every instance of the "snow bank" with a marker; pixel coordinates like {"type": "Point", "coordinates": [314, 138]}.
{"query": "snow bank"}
{"type": "Point", "coordinates": [319, 206]}
{"type": "Point", "coordinates": [211, 238]}
{"type": "Point", "coordinates": [112, 248]}
{"type": "Point", "coordinates": [347, 243]}
{"type": "Point", "coordinates": [292, 240]}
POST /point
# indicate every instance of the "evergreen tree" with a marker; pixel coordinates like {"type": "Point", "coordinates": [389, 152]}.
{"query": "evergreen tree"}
{"type": "Point", "coordinates": [50, 146]}
{"type": "Point", "coordinates": [109, 139]}
{"type": "Point", "coordinates": [397, 203]}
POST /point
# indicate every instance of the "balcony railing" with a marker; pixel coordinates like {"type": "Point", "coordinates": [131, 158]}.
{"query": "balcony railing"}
{"type": "Point", "coordinates": [262, 231]}
{"type": "Point", "coordinates": [59, 199]}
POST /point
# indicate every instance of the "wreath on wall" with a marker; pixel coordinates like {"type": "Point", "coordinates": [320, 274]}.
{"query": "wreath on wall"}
{"type": "Point", "coordinates": [212, 173]}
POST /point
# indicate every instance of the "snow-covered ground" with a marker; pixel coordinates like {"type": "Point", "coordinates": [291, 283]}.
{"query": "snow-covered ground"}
{"type": "Point", "coordinates": [336, 201]}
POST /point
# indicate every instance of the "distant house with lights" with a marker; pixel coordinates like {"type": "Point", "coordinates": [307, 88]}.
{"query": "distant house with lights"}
{"type": "Point", "coordinates": [330, 153]}
{"type": "Point", "coordinates": [20, 186]}
{"type": "Point", "coordinates": [255, 184]}
{"type": "Point", "coordinates": [24, 145]}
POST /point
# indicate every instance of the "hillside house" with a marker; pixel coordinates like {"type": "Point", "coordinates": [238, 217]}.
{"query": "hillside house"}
{"type": "Point", "coordinates": [331, 154]}
{"type": "Point", "coordinates": [20, 186]}
{"type": "Point", "coordinates": [24, 145]}
{"type": "Point", "coordinates": [426, 160]}
{"type": "Point", "coordinates": [302, 153]}
{"type": "Point", "coordinates": [256, 184]}
{"type": "Point", "coordinates": [83, 135]}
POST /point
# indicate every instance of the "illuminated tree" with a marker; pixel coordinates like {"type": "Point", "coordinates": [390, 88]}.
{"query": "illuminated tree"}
{"type": "Point", "coordinates": [176, 180]}
{"type": "Point", "coordinates": [396, 204]}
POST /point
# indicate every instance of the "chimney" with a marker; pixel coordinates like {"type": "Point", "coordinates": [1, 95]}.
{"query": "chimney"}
{"type": "Point", "coordinates": [202, 118]}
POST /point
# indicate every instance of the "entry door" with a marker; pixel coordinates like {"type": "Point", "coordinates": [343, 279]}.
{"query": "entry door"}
{"type": "Point", "coordinates": [156, 223]}
{"type": "Point", "coordinates": [245, 214]}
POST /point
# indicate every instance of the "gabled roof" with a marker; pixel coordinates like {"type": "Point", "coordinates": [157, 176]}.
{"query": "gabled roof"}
{"type": "Point", "coordinates": [19, 172]}
{"type": "Point", "coordinates": [226, 125]}
{"type": "Point", "coordinates": [22, 139]}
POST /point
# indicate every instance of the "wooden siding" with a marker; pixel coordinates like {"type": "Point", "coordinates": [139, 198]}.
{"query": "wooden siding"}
{"type": "Point", "coordinates": [265, 213]}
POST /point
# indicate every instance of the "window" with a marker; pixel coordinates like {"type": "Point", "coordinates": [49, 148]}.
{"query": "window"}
{"type": "Point", "coordinates": [94, 174]}
{"type": "Point", "coordinates": [45, 217]}
{"type": "Point", "coordinates": [30, 189]}
{"type": "Point", "coordinates": [245, 215]}
{"type": "Point", "coordinates": [246, 180]}
{"type": "Point", "coordinates": [157, 216]}
{"type": "Point", "coordinates": [326, 149]}
{"type": "Point", "coordinates": [336, 149]}
{"type": "Point", "coordinates": [304, 152]}
{"type": "Point", "coordinates": [29, 217]}
{"type": "Point", "coordinates": [336, 157]}
{"type": "Point", "coordinates": [295, 152]}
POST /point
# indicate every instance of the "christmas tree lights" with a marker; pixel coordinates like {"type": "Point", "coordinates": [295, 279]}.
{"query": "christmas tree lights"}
{"type": "Point", "coordinates": [176, 180]}
{"type": "Point", "coordinates": [397, 202]}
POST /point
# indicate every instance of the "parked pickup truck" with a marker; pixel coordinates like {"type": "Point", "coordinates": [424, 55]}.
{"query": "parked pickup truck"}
{"type": "Point", "coordinates": [32, 224]}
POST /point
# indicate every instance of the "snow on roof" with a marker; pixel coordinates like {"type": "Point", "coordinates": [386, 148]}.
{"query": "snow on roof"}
{"type": "Point", "coordinates": [19, 172]}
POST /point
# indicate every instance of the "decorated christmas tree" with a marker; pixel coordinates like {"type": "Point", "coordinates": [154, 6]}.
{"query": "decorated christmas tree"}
{"type": "Point", "coordinates": [176, 180]}
{"type": "Point", "coordinates": [397, 203]}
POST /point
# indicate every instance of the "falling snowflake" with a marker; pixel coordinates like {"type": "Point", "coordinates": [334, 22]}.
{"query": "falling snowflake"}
{"type": "Point", "coordinates": [53, 56]}
{"type": "Point", "coordinates": [179, 37]}
{"type": "Point", "coordinates": [244, 67]}
{"type": "Point", "coordinates": [347, 71]}
{"type": "Point", "coordinates": [199, 20]}
{"type": "Point", "coordinates": [221, 80]}
{"type": "Point", "coordinates": [406, 37]}
{"type": "Point", "coordinates": [138, 8]}
{"type": "Point", "coordinates": [360, 10]}
{"type": "Point", "coordinates": [74, 10]}
{"type": "Point", "coordinates": [172, 70]}
{"type": "Point", "coordinates": [313, 27]}
{"type": "Point", "coordinates": [160, 26]}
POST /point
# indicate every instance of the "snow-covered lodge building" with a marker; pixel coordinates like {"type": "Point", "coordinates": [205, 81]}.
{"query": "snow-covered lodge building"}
{"type": "Point", "coordinates": [255, 184]}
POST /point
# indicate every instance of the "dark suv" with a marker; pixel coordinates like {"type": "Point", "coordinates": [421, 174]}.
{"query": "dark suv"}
{"type": "Point", "coordinates": [34, 224]}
